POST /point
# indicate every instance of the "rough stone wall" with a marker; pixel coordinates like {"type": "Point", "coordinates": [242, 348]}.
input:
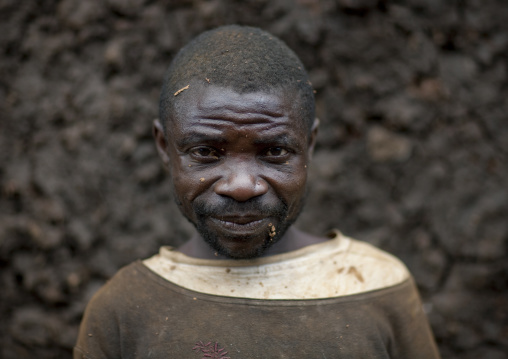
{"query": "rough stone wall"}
{"type": "Point", "coordinates": [412, 153]}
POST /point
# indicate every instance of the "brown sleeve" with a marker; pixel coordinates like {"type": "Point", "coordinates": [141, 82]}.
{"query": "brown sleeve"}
{"type": "Point", "coordinates": [98, 335]}
{"type": "Point", "coordinates": [412, 336]}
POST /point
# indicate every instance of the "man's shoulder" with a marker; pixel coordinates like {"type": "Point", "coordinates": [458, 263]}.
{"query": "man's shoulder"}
{"type": "Point", "coordinates": [128, 280]}
{"type": "Point", "coordinates": [370, 254]}
{"type": "Point", "coordinates": [372, 267]}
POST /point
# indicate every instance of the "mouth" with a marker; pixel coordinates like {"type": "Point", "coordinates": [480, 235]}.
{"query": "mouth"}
{"type": "Point", "coordinates": [241, 225]}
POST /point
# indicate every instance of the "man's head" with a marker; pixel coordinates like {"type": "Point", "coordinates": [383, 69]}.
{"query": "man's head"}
{"type": "Point", "coordinates": [244, 59]}
{"type": "Point", "coordinates": [238, 139]}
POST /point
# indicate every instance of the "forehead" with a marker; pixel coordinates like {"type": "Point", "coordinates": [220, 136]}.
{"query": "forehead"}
{"type": "Point", "coordinates": [206, 105]}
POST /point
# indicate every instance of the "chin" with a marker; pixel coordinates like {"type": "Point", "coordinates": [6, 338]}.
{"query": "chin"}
{"type": "Point", "coordinates": [239, 248]}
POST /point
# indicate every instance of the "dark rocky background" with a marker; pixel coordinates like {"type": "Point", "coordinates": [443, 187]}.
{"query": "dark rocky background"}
{"type": "Point", "coordinates": [412, 154]}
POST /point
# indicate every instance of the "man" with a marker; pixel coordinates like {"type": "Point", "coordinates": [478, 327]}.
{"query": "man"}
{"type": "Point", "coordinates": [236, 131]}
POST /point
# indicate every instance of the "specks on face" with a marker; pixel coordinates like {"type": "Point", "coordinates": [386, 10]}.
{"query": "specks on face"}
{"type": "Point", "coordinates": [181, 90]}
{"type": "Point", "coordinates": [272, 232]}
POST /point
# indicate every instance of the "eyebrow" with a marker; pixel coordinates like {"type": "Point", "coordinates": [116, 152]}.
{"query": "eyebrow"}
{"type": "Point", "coordinates": [196, 137]}
{"type": "Point", "coordinates": [283, 139]}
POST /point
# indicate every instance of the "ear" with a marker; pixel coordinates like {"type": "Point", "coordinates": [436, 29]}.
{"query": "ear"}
{"type": "Point", "coordinates": [160, 141]}
{"type": "Point", "coordinates": [313, 137]}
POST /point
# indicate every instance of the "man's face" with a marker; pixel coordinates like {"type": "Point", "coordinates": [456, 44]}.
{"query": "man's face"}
{"type": "Point", "coordinates": [238, 163]}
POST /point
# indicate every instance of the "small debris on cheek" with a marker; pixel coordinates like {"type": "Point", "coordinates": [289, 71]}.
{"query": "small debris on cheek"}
{"type": "Point", "coordinates": [181, 90]}
{"type": "Point", "coordinates": [202, 179]}
{"type": "Point", "coordinates": [272, 232]}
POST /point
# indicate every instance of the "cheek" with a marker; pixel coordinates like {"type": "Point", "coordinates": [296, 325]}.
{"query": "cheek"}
{"type": "Point", "coordinates": [187, 185]}
{"type": "Point", "coordinates": [291, 186]}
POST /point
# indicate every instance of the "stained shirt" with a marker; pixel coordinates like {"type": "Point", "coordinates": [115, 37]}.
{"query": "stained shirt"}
{"type": "Point", "coordinates": [338, 299]}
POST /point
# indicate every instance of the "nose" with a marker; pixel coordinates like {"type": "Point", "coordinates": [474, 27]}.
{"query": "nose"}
{"type": "Point", "coordinates": [241, 182]}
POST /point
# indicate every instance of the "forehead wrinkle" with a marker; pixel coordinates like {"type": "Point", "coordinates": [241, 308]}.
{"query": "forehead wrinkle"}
{"type": "Point", "coordinates": [238, 120]}
{"type": "Point", "coordinates": [212, 103]}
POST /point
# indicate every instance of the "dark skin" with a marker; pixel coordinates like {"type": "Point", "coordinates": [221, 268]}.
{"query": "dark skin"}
{"type": "Point", "coordinates": [238, 164]}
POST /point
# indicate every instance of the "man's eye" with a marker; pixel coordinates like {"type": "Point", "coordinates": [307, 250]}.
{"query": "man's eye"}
{"type": "Point", "coordinates": [276, 152]}
{"type": "Point", "coordinates": [205, 152]}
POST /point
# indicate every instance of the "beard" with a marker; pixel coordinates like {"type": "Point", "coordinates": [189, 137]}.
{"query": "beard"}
{"type": "Point", "coordinates": [225, 206]}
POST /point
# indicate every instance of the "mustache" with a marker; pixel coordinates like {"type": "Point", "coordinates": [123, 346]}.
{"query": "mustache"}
{"type": "Point", "coordinates": [226, 206]}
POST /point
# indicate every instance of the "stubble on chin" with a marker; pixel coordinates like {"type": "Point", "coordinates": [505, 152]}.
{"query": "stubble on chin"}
{"type": "Point", "coordinates": [239, 253]}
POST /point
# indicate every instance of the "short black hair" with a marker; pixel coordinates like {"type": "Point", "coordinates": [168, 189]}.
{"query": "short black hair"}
{"type": "Point", "coordinates": [242, 58]}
